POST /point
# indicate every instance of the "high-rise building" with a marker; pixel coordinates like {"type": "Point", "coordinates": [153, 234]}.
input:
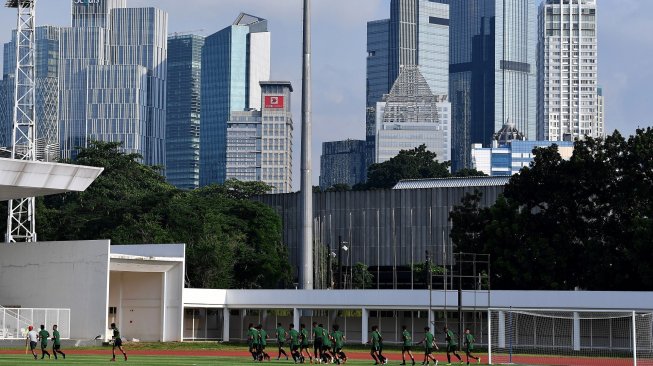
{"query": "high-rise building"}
{"type": "Point", "coordinates": [183, 110]}
{"type": "Point", "coordinates": [112, 79]}
{"type": "Point", "coordinates": [417, 33]}
{"type": "Point", "coordinates": [259, 142]}
{"type": "Point", "coordinates": [600, 112]}
{"type": "Point", "coordinates": [234, 61]}
{"type": "Point", "coordinates": [492, 71]}
{"type": "Point", "coordinates": [410, 116]}
{"type": "Point", "coordinates": [342, 162]}
{"type": "Point", "coordinates": [46, 62]}
{"type": "Point", "coordinates": [568, 71]}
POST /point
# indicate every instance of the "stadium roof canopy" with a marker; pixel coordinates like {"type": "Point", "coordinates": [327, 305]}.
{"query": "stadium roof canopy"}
{"type": "Point", "coordinates": [452, 182]}
{"type": "Point", "coordinates": [21, 178]}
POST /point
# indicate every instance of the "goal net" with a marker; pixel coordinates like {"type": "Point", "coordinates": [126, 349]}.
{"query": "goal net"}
{"type": "Point", "coordinates": [577, 338]}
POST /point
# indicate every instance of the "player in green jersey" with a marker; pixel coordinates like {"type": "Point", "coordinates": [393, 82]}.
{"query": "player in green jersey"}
{"type": "Point", "coordinates": [56, 343]}
{"type": "Point", "coordinates": [252, 340]}
{"type": "Point", "coordinates": [338, 343]}
{"type": "Point", "coordinates": [452, 344]}
{"type": "Point", "coordinates": [117, 342]}
{"type": "Point", "coordinates": [327, 345]}
{"type": "Point", "coordinates": [43, 336]}
{"type": "Point", "coordinates": [376, 341]}
{"type": "Point", "coordinates": [263, 342]}
{"type": "Point", "coordinates": [406, 345]}
{"type": "Point", "coordinates": [317, 342]}
{"type": "Point", "coordinates": [295, 342]}
{"type": "Point", "coordinates": [429, 344]}
{"type": "Point", "coordinates": [281, 338]}
{"type": "Point", "coordinates": [303, 343]}
{"type": "Point", "coordinates": [469, 346]}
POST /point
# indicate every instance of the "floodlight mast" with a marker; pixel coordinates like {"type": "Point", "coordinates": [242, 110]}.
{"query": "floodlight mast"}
{"type": "Point", "coordinates": [306, 195]}
{"type": "Point", "coordinates": [21, 223]}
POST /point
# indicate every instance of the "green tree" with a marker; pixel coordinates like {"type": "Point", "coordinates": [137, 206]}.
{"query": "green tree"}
{"type": "Point", "coordinates": [584, 222]}
{"type": "Point", "coordinates": [361, 276]}
{"type": "Point", "coordinates": [408, 164]}
{"type": "Point", "coordinates": [339, 187]}
{"type": "Point", "coordinates": [468, 172]}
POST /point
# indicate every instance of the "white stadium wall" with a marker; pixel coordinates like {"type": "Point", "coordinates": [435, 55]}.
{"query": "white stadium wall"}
{"type": "Point", "coordinates": [70, 275]}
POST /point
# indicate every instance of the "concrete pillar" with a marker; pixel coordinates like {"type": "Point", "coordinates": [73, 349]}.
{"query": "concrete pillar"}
{"type": "Point", "coordinates": [226, 316]}
{"type": "Point", "coordinates": [502, 329]}
{"type": "Point", "coordinates": [364, 325]}
{"type": "Point", "coordinates": [296, 314]}
{"type": "Point", "coordinates": [431, 319]}
{"type": "Point", "coordinates": [576, 331]}
{"type": "Point", "coordinates": [264, 319]}
{"type": "Point", "coordinates": [164, 305]}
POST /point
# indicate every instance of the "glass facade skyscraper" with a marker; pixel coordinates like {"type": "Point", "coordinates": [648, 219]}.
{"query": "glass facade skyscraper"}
{"type": "Point", "coordinates": [47, 84]}
{"type": "Point", "coordinates": [113, 64]}
{"type": "Point", "coordinates": [342, 162]}
{"type": "Point", "coordinates": [417, 33]}
{"type": "Point", "coordinates": [183, 110]}
{"type": "Point", "coordinates": [568, 71]}
{"type": "Point", "coordinates": [234, 61]}
{"type": "Point", "coordinates": [492, 71]}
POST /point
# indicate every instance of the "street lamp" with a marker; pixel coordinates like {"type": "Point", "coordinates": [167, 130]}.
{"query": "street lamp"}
{"type": "Point", "coordinates": [341, 247]}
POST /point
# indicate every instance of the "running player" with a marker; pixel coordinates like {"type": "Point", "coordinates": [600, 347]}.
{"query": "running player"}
{"type": "Point", "coordinates": [252, 341]}
{"type": "Point", "coordinates": [338, 343]}
{"type": "Point", "coordinates": [117, 342]}
{"type": "Point", "coordinates": [375, 351]}
{"type": "Point", "coordinates": [407, 345]}
{"type": "Point", "coordinates": [43, 336]}
{"type": "Point", "coordinates": [56, 343]}
{"type": "Point", "coordinates": [281, 338]}
{"type": "Point", "coordinates": [317, 342]}
{"type": "Point", "coordinates": [327, 345]}
{"type": "Point", "coordinates": [303, 345]}
{"type": "Point", "coordinates": [295, 342]}
{"type": "Point", "coordinates": [428, 346]}
{"type": "Point", "coordinates": [32, 338]}
{"type": "Point", "coordinates": [263, 342]}
{"type": "Point", "coordinates": [469, 346]}
{"type": "Point", "coordinates": [452, 344]}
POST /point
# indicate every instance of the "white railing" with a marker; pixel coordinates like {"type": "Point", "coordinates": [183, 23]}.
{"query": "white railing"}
{"type": "Point", "coordinates": [15, 321]}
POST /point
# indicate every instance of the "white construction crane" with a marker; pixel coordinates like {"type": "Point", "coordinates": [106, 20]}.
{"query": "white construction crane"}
{"type": "Point", "coordinates": [21, 223]}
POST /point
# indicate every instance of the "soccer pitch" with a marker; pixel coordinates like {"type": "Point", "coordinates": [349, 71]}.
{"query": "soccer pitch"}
{"type": "Point", "coordinates": [168, 360]}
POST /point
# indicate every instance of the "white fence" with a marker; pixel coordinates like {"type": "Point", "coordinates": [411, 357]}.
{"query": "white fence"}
{"type": "Point", "coordinates": [14, 321]}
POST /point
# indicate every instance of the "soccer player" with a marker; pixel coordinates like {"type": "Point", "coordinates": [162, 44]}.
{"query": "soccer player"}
{"type": "Point", "coordinates": [317, 342]}
{"type": "Point", "coordinates": [375, 351]}
{"type": "Point", "coordinates": [469, 346]}
{"type": "Point", "coordinates": [338, 343]}
{"type": "Point", "coordinates": [252, 341]}
{"type": "Point", "coordinates": [32, 338]}
{"type": "Point", "coordinates": [281, 338]}
{"type": "Point", "coordinates": [295, 342]}
{"type": "Point", "coordinates": [407, 345]}
{"type": "Point", "coordinates": [303, 345]}
{"type": "Point", "coordinates": [117, 342]}
{"type": "Point", "coordinates": [56, 343]}
{"type": "Point", "coordinates": [452, 345]}
{"type": "Point", "coordinates": [326, 345]}
{"type": "Point", "coordinates": [428, 346]}
{"type": "Point", "coordinates": [43, 336]}
{"type": "Point", "coordinates": [263, 342]}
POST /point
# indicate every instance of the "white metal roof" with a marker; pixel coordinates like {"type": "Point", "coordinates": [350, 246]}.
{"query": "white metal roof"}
{"type": "Point", "coordinates": [453, 182]}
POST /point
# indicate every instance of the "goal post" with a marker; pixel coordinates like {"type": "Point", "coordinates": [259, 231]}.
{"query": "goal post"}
{"type": "Point", "coordinates": [569, 337]}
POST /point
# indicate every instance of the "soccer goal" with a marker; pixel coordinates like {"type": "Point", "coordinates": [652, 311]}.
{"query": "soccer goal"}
{"type": "Point", "coordinates": [576, 338]}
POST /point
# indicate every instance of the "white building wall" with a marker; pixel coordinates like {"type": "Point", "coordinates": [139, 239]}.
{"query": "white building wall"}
{"type": "Point", "coordinates": [259, 66]}
{"type": "Point", "coordinates": [59, 275]}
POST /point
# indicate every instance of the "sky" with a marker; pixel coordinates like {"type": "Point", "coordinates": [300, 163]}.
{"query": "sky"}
{"type": "Point", "coordinates": [339, 51]}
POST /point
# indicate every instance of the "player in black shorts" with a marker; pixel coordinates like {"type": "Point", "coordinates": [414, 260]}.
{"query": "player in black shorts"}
{"type": "Point", "coordinates": [117, 342]}
{"type": "Point", "coordinates": [406, 345]}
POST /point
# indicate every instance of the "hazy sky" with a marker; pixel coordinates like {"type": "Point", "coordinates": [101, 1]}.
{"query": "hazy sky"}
{"type": "Point", "coordinates": [339, 51]}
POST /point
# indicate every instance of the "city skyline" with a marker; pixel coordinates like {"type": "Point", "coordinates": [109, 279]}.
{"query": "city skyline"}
{"type": "Point", "coordinates": [339, 97]}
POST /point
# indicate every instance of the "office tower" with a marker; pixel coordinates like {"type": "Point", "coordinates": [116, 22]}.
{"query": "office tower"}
{"type": "Point", "coordinates": [417, 33]}
{"type": "Point", "coordinates": [568, 73]}
{"type": "Point", "coordinates": [259, 142]}
{"type": "Point", "coordinates": [408, 117]}
{"type": "Point", "coordinates": [46, 69]}
{"type": "Point", "coordinates": [492, 71]}
{"type": "Point", "coordinates": [183, 110]}
{"type": "Point", "coordinates": [600, 115]}
{"type": "Point", "coordinates": [234, 61]}
{"type": "Point", "coordinates": [342, 162]}
{"type": "Point", "coordinates": [113, 63]}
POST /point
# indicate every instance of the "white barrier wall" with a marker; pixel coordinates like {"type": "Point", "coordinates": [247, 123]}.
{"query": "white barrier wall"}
{"type": "Point", "coordinates": [72, 275]}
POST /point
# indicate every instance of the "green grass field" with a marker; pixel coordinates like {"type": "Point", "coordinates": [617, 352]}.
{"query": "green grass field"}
{"type": "Point", "coordinates": [158, 360]}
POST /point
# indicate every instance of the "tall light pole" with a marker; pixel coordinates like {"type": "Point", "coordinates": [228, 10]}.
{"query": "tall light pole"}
{"type": "Point", "coordinates": [306, 277]}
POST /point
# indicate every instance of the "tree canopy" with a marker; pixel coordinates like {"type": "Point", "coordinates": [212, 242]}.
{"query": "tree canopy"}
{"type": "Point", "coordinates": [585, 222]}
{"type": "Point", "coordinates": [232, 241]}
